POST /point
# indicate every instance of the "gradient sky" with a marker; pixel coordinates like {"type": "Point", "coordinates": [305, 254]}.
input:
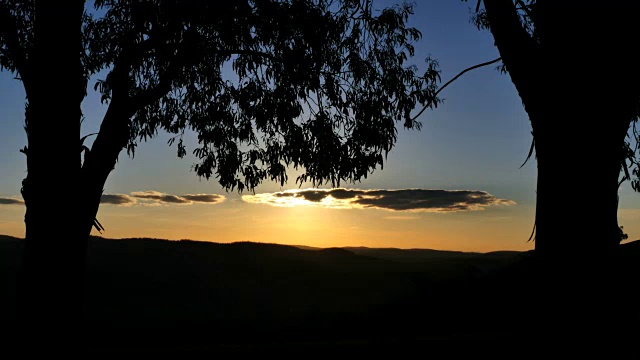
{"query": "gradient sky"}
{"type": "Point", "coordinates": [475, 141]}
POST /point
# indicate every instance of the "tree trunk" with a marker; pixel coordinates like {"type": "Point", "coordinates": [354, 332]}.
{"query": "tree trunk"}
{"type": "Point", "coordinates": [61, 192]}
{"type": "Point", "coordinates": [580, 109]}
{"type": "Point", "coordinates": [50, 293]}
{"type": "Point", "coordinates": [577, 191]}
{"type": "Point", "coordinates": [579, 284]}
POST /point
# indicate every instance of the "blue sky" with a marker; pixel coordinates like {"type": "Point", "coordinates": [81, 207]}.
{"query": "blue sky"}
{"type": "Point", "coordinates": [476, 140]}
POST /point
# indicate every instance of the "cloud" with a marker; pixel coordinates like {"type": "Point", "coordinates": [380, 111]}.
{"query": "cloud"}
{"type": "Point", "coordinates": [411, 200]}
{"type": "Point", "coordinates": [142, 198]}
{"type": "Point", "coordinates": [10, 201]}
{"type": "Point", "coordinates": [117, 199]}
{"type": "Point", "coordinates": [159, 197]}
{"type": "Point", "coordinates": [156, 197]}
{"type": "Point", "coordinates": [204, 198]}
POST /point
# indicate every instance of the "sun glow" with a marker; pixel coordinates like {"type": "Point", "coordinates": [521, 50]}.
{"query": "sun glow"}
{"type": "Point", "coordinates": [292, 198]}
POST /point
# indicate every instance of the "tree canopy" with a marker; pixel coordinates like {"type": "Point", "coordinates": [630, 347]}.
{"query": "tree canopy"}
{"type": "Point", "coordinates": [265, 85]}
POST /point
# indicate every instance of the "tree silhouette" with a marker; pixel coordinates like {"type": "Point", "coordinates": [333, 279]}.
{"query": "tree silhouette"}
{"type": "Point", "coordinates": [574, 69]}
{"type": "Point", "coordinates": [318, 85]}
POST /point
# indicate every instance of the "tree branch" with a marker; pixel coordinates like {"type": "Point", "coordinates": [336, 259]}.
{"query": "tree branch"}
{"type": "Point", "coordinates": [9, 31]}
{"type": "Point", "coordinates": [127, 58]}
{"type": "Point", "coordinates": [452, 80]}
{"type": "Point", "coordinates": [135, 52]}
{"type": "Point", "coordinates": [517, 49]}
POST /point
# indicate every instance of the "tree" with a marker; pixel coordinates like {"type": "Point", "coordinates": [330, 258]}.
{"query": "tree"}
{"type": "Point", "coordinates": [320, 86]}
{"type": "Point", "coordinates": [573, 66]}
{"type": "Point", "coordinates": [574, 69]}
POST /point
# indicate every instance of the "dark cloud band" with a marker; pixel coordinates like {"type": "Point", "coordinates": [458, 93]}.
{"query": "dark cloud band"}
{"type": "Point", "coordinates": [162, 198]}
{"type": "Point", "coordinates": [155, 197]}
{"type": "Point", "coordinates": [145, 197]}
{"type": "Point", "coordinates": [10, 201]}
{"type": "Point", "coordinates": [397, 199]}
{"type": "Point", "coordinates": [204, 198]}
{"type": "Point", "coordinates": [117, 199]}
{"type": "Point", "coordinates": [159, 197]}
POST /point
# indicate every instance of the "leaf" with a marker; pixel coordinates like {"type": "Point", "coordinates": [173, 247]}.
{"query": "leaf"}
{"type": "Point", "coordinates": [533, 143]}
{"type": "Point", "coordinates": [84, 137]}
{"type": "Point", "coordinates": [98, 226]}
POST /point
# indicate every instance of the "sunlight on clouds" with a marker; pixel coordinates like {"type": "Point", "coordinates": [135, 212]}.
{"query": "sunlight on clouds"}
{"type": "Point", "coordinates": [291, 198]}
{"type": "Point", "coordinates": [158, 197]}
{"type": "Point", "coordinates": [409, 200]}
{"type": "Point", "coordinates": [313, 225]}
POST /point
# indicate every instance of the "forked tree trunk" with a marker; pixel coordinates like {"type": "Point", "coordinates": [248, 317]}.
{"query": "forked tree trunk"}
{"type": "Point", "coordinates": [50, 294]}
{"type": "Point", "coordinates": [61, 192]}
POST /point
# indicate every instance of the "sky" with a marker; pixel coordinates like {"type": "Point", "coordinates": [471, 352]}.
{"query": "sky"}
{"type": "Point", "coordinates": [456, 184]}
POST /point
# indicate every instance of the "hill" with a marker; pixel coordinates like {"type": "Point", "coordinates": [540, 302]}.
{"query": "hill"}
{"type": "Point", "coordinates": [159, 295]}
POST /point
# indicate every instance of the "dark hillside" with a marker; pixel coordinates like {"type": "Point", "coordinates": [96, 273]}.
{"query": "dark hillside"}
{"type": "Point", "coordinates": [151, 294]}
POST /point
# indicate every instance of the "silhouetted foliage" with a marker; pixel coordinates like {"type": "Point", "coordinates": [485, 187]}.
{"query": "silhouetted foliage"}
{"type": "Point", "coordinates": [264, 84]}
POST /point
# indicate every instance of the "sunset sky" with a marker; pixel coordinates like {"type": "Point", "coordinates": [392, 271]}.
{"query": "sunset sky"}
{"type": "Point", "coordinates": [456, 184]}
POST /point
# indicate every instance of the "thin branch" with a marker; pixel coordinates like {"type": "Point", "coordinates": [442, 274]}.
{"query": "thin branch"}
{"type": "Point", "coordinates": [622, 181]}
{"type": "Point", "coordinates": [452, 80]}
